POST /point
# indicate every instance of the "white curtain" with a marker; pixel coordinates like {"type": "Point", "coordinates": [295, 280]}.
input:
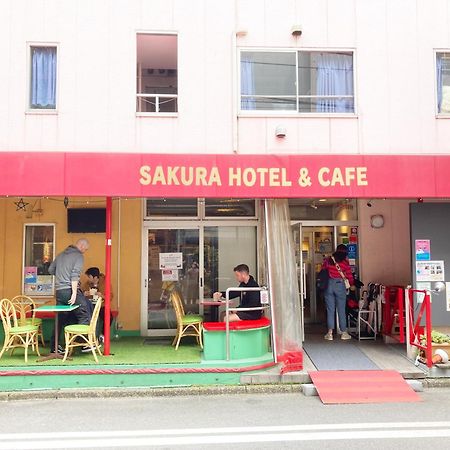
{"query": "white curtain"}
{"type": "Point", "coordinates": [43, 77]}
{"type": "Point", "coordinates": [247, 84]}
{"type": "Point", "coordinates": [281, 275]}
{"type": "Point", "coordinates": [334, 77]}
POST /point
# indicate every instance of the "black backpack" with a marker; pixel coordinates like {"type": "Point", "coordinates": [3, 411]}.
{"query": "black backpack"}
{"type": "Point", "coordinates": [322, 280]}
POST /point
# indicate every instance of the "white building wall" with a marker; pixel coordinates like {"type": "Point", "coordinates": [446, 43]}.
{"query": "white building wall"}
{"type": "Point", "coordinates": [394, 42]}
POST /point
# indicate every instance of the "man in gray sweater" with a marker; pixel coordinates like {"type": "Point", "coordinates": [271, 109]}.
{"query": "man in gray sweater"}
{"type": "Point", "coordinates": [67, 268]}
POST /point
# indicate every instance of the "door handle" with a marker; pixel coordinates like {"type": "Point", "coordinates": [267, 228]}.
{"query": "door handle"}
{"type": "Point", "coordinates": [201, 282]}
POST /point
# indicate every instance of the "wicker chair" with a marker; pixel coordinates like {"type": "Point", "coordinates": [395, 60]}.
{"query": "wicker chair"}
{"type": "Point", "coordinates": [26, 307]}
{"type": "Point", "coordinates": [187, 324]}
{"type": "Point", "coordinates": [17, 336]}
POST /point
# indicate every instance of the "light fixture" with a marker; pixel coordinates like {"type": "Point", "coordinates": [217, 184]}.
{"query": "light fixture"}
{"type": "Point", "coordinates": [280, 131]}
{"type": "Point", "coordinates": [369, 203]}
{"type": "Point", "coordinates": [313, 205]}
{"type": "Point", "coordinates": [322, 200]}
{"type": "Point", "coordinates": [66, 202]}
{"type": "Point", "coordinates": [377, 221]}
{"type": "Point", "coordinates": [296, 30]}
{"type": "Point", "coordinates": [241, 32]}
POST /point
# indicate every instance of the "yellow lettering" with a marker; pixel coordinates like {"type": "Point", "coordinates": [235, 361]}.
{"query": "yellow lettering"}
{"type": "Point", "coordinates": [337, 177]}
{"type": "Point", "coordinates": [322, 172]}
{"type": "Point", "coordinates": [249, 176]}
{"type": "Point", "coordinates": [361, 176]}
{"type": "Point", "coordinates": [262, 172]}
{"type": "Point", "coordinates": [274, 176]}
{"type": "Point", "coordinates": [284, 180]}
{"type": "Point", "coordinates": [234, 176]}
{"type": "Point", "coordinates": [214, 177]}
{"type": "Point", "coordinates": [349, 175]}
{"type": "Point", "coordinates": [200, 176]}
{"type": "Point", "coordinates": [172, 175]}
{"type": "Point", "coordinates": [145, 175]}
{"type": "Point", "coordinates": [159, 177]}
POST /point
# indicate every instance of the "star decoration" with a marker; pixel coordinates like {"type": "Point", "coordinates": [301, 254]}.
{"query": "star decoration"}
{"type": "Point", "coordinates": [21, 205]}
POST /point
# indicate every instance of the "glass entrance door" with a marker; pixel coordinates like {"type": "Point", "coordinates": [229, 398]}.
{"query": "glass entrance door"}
{"type": "Point", "coordinates": [206, 256]}
{"type": "Point", "coordinates": [173, 262]}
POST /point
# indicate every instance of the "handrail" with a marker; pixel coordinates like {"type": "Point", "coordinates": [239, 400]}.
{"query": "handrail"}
{"type": "Point", "coordinates": [228, 309]}
{"type": "Point", "coordinates": [415, 327]}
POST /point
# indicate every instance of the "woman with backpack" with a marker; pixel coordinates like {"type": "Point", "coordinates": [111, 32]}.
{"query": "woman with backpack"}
{"type": "Point", "coordinates": [340, 280]}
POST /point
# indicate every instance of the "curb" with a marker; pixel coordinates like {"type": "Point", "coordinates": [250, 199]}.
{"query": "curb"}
{"type": "Point", "coordinates": [150, 392]}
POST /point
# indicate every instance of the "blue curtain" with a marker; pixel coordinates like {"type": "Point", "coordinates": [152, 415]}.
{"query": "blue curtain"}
{"type": "Point", "coordinates": [334, 77]}
{"type": "Point", "coordinates": [247, 84]}
{"type": "Point", "coordinates": [439, 81]}
{"type": "Point", "coordinates": [43, 77]}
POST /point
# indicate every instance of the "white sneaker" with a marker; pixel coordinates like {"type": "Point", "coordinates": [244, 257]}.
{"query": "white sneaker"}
{"type": "Point", "coordinates": [345, 336]}
{"type": "Point", "coordinates": [328, 337]}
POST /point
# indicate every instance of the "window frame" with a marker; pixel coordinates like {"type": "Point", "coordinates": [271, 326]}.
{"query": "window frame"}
{"type": "Point", "coordinates": [177, 96]}
{"type": "Point", "coordinates": [40, 224]}
{"type": "Point", "coordinates": [28, 108]}
{"type": "Point", "coordinates": [296, 113]}
{"type": "Point", "coordinates": [438, 114]}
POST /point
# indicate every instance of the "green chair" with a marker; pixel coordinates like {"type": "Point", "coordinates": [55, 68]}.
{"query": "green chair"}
{"type": "Point", "coordinates": [187, 324]}
{"type": "Point", "coordinates": [26, 307]}
{"type": "Point", "coordinates": [82, 335]}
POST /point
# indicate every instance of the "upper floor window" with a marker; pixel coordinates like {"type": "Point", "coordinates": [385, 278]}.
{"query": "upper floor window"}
{"type": "Point", "coordinates": [157, 74]}
{"type": "Point", "coordinates": [304, 81]}
{"type": "Point", "coordinates": [43, 77]}
{"type": "Point", "coordinates": [443, 82]}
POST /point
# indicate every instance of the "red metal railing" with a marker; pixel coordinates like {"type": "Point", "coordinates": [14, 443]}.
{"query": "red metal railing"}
{"type": "Point", "coordinates": [416, 330]}
{"type": "Point", "coordinates": [394, 305]}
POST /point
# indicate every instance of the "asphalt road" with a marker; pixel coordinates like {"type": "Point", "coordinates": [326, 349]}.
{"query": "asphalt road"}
{"type": "Point", "coordinates": [256, 421]}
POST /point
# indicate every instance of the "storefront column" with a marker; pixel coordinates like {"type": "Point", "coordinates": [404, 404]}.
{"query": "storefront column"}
{"type": "Point", "coordinates": [107, 329]}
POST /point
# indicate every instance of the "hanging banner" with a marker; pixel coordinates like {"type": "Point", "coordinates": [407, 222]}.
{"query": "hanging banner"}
{"type": "Point", "coordinates": [231, 176]}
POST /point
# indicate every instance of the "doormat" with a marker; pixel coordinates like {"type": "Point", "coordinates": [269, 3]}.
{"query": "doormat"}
{"type": "Point", "coordinates": [369, 386]}
{"type": "Point", "coordinates": [336, 355]}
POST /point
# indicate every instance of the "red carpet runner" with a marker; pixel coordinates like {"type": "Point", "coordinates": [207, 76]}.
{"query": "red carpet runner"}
{"type": "Point", "coordinates": [362, 386]}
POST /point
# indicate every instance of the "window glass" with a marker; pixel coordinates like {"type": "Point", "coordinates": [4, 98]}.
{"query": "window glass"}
{"type": "Point", "coordinates": [226, 207]}
{"type": "Point", "coordinates": [443, 82]}
{"type": "Point", "coordinates": [157, 73]}
{"type": "Point", "coordinates": [268, 81]}
{"type": "Point", "coordinates": [38, 255]}
{"type": "Point", "coordinates": [172, 207]}
{"type": "Point", "coordinates": [323, 209]}
{"type": "Point", "coordinates": [325, 81]}
{"type": "Point", "coordinates": [43, 78]}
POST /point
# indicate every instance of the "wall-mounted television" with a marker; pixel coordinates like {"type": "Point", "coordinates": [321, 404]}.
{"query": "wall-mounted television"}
{"type": "Point", "coordinates": [86, 220]}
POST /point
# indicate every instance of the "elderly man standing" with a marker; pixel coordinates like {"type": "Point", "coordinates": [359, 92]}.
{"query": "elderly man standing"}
{"type": "Point", "coordinates": [67, 268]}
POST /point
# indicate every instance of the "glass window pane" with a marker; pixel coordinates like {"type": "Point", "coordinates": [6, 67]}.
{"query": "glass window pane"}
{"type": "Point", "coordinates": [43, 78]}
{"type": "Point", "coordinates": [326, 82]}
{"type": "Point", "coordinates": [161, 314]}
{"type": "Point", "coordinates": [172, 207]}
{"type": "Point", "coordinates": [226, 247]}
{"type": "Point", "coordinates": [268, 81]}
{"type": "Point", "coordinates": [443, 82]}
{"type": "Point", "coordinates": [38, 255]}
{"type": "Point", "coordinates": [226, 207]}
{"type": "Point", "coordinates": [323, 209]}
{"type": "Point", "coordinates": [157, 73]}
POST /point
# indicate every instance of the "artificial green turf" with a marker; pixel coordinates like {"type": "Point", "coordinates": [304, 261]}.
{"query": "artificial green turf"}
{"type": "Point", "coordinates": [126, 350]}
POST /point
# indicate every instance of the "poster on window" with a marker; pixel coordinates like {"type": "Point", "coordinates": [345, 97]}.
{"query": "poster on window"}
{"type": "Point", "coordinates": [430, 271]}
{"type": "Point", "coordinates": [422, 286]}
{"type": "Point", "coordinates": [423, 252]}
{"type": "Point", "coordinates": [171, 261]}
{"type": "Point", "coordinates": [169, 274]}
{"type": "Point", "coordinates": [44, 285]}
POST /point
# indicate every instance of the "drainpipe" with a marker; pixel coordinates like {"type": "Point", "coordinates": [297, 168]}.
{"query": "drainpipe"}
{"type": "Point", "coordinates": [107, 329]}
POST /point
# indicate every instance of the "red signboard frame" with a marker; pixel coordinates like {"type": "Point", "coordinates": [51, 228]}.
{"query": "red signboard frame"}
{"type": "Point", "coordinates": [256, 176]}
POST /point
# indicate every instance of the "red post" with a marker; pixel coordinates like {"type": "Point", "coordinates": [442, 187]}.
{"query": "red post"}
{"type": "Point", "coordinates": [107, 329]}
{"type": "Point", "coordinates": [429, 350]}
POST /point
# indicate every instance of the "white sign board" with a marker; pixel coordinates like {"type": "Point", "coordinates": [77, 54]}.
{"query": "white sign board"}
{"type": "Point", "coordinates": [430, 271]}
{"type": "Point", "coordinates": [171, 261]}
{"type": "Point", "coordinates": [169, 274]}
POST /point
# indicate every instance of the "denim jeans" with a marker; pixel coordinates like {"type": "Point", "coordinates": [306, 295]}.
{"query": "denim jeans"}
{"type": "Point", "coordinates": [335, 299]}
{"type": "Point", "coordinates": [81, 315]}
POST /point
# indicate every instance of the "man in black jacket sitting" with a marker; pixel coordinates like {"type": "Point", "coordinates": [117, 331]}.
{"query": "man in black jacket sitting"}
{"type": "Point", "coordinates": [249, 299]}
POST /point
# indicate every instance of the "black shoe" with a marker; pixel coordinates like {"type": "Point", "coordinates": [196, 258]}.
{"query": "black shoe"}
{"type": "Point", "coordinates": [87, 349]}
{"type": "Point", "coordinates": [61, 350]}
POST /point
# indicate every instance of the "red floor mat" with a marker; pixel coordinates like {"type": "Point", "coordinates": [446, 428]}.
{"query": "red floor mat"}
{"type": "Point", "coordinates": [362, 386]}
